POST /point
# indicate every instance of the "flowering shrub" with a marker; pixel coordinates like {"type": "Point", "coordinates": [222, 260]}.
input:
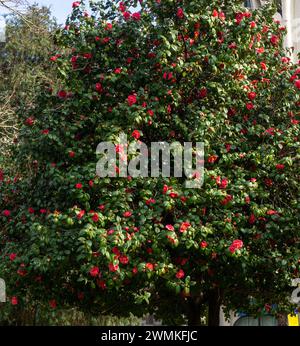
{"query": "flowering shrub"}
{"type": "Point", "coordinates": [187, 71]}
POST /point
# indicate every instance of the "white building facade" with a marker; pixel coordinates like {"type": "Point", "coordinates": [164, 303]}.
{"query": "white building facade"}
{"type": "Point", "coordinates": [289, 15]}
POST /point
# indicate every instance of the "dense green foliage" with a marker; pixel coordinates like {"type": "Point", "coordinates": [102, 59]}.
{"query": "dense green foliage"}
{"type": "Point", "coordinates": [187, 71]}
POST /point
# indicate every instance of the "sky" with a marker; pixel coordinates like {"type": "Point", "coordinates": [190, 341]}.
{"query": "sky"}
{"type": "Point", "coordinates": [59, 8]}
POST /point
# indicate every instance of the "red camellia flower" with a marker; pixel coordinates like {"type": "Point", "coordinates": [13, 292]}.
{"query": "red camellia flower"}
{"type": "Point", "coordinates": [252, 219]}
{"type": "Point", "coordinates": [136, 134]}
{"type": "Point", "coordinates": [227, 200]}
{"type": "Point", "coordinates": [170, 227]}
{"type": "Point", "coordinates": [180, 274]}
{"type": "Point", "coordinates": [29, 121]}
{"type": "Point", "coordinates": [212, 159]}
{"type": "Point", "coordinates": [184, 227]}
{"type": "Point", "coordinates": [108, 27]}
{"type": "Point", "coordinates": [236, 245]}
{"type": "Point", "coordinates": [202, 93]}
{"type": "Point", "coordinates": [71, 153]}
{"type": "Point", "coordinates": [124, 259]}
{"type": "Point", "coordinates": [118, 70]}
{"type": "Point", "coordinates": [223, 184]}
{"type": "Point", "coordinates": [113, 267]}
{"type": "Point", "coordinates": [53, 304]}
{"type": "Point", "coordinates": [62, 94]}
{"type": "Point", "coordinates": [180, 13]}
{"type": "Point", "coordinates": [249, 106]}
{"type": "Point", "coordinates": [149, 266]}
{"type": "Point", "coordinates": [263, 66]}
{"type": "Point", "coordinates": [274, 40]}
{"type": "Point", "coordinates": [252, 95]}
{"type": "Point", "coordinates": [268, 182]}
{"type": "Point", "coordinates": [14, 301]}
{"type": "Point", "coordinates": [78, 186]}
{"type": "Point", "coordinates": [131, 100]}
{"type": "Point", "coordinates": [127, 214]}
{"type": "Point", "coordinates": [122, 7]}
{"type": "Point", "coordinates": [94, 272]}
{"type": "Point", "coordinates": [6, 213]}
{"type": "Point", "coordinates": [272, 212]}
{"type": "Point", "coordinates": [12, 256]}
{"type": "Point", "coordinates": [98, 87]}
{"type": "Point", "coordinates": [280, 167]}
{"type": "Point", "coordinates": [297, 83]}
{"type": "Point", "coordinates": [76, 4]}
{"type": "Point", "coordinates": [81, 214]}
{"type": "Point", "coordinates": [204, 245]}
{"type": "Point", "coordinates": [136, 16]}
{"type": "Point", "coordinates": [95, 217]}
{"type": "Point", "coordinates": [45, 132]}
{"type": "Point", "coordinates": [126, 15]}
{"type": "Point", "coordinates": [215, 13]}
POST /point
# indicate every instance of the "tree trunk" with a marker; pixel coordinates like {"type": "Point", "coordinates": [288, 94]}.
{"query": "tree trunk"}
{"type": "Point", "coordinates": [214, 306]}
{"type": "Point", "coordinates": [194, 313]}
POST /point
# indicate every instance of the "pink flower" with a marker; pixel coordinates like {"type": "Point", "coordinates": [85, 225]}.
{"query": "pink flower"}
{"type": "Point", "coordinates": [78, 186]}
{"type": "Point", "coordinates": [14, 301]}
{"type": "Point", "coordinates": [94, 272]}
{"type": "Point", "coordinates": [236, 245]}
{"type": "Point", "coordinates": [136, 134]}
{"type": "Point", "coordinates": [118, 70]}
{"type": "Point", "coordinates": [180, 274]}
{"type": "Point", "coordinates": [170, 227]}
{"type": "Point", "coordinates": [131, 100]}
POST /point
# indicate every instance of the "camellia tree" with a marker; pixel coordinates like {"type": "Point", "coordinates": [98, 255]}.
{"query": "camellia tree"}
{"type": "Point", "coordinates": [206, 71]}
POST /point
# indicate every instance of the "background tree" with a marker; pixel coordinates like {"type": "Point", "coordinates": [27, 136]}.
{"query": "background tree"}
{"type": "Point", "coordinates": [24, 65]}
{"type": "Point", "coordinates": [187, 71]}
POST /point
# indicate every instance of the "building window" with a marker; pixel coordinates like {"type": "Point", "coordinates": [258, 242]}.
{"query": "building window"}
{"type": "Point", "coordinates": [263, 321]}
